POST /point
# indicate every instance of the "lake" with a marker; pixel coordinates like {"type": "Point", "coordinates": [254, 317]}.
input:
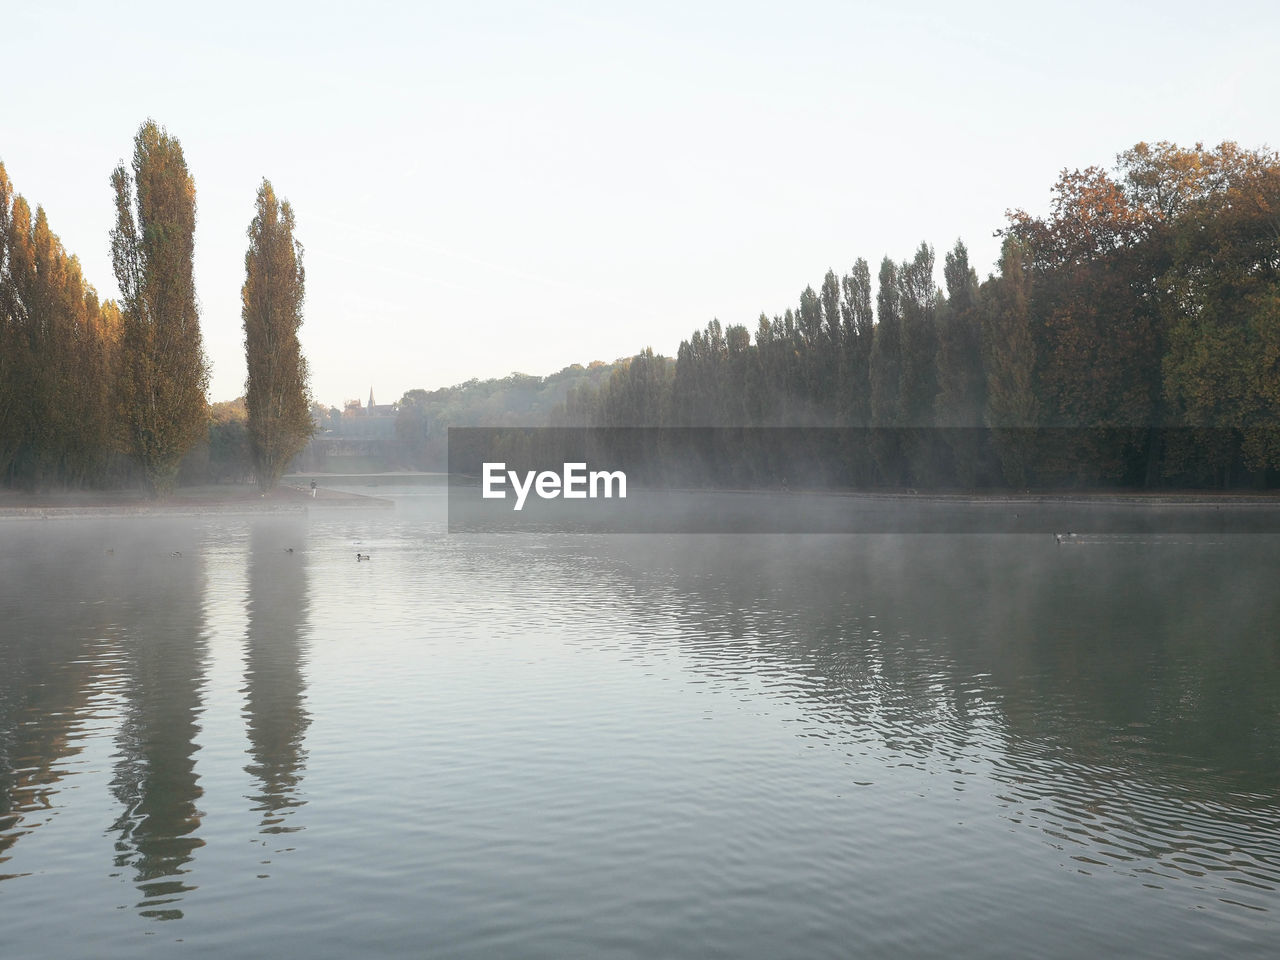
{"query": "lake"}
{"type": "Point", "coordinates": [225, 736]}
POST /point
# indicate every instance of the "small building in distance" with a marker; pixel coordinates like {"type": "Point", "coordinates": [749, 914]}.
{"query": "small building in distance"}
{"type": "Point", "coordinates": [353, 409]}
{"type": "Point", "coordinates": [360, 439]}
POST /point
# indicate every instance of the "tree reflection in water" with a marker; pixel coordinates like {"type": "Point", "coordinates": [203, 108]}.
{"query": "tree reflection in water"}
{"type": "Point", "coordinates": [163, 646]}
{"type": "Point", "coordinates": [275, 690]}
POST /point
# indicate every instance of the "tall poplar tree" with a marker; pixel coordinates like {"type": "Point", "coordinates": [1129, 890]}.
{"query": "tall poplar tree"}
{"type": "Point", "coordinates": [885, 367]}
{"type": "Point", "coordinates": [276, 391]}
{"type": "Point", "coordinates": [15, 360]}
{"type": "Point", "coordinates": [917, 374]}
{"type": "Point", "coordinates": [163, 374]}
{"type": "Point", "coordinates": [1009, 359]}
{"type": "Point", "coordinates": [859, 328]}
{"type": "Point", "coordinates": [961, 397]}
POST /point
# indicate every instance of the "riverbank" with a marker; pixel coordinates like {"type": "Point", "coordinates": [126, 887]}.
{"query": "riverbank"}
{"type": "Point", "coordinates": [1165, 497]}
{"type": "Point", "coordinates": [766, 510]}
{"type": "Point", "coordinates": [185, 501]}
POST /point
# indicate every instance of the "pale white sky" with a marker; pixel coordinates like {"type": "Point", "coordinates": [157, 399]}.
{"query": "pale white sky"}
{"type": "Point", "coordinates": [489, 187]}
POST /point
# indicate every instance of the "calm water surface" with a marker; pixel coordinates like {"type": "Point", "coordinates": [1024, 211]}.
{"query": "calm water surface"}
{"type": "Point", "coordinates": [582, 746]}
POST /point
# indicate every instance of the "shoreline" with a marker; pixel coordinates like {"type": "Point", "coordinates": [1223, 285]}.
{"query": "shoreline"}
{"type": "Point", "coordinates": [219, 499]}
{"type": "Point", "coordinates": [291, 497]}
{"type": "Point", "coordinates": [1085, 497]}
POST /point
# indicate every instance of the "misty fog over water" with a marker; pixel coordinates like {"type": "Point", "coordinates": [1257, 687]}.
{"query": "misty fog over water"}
{"type": "Point", "coordinates": [227, 731]}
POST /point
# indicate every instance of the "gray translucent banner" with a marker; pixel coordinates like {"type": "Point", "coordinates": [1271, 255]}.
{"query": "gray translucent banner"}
{"type": "Point", "coordinates": [802, 481]}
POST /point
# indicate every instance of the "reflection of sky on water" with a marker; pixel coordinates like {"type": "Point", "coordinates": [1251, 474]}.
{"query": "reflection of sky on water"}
{"type": "Point", "coordinates": [823, 733]}
{"type": "Point", "coordinates": [1126, 702]}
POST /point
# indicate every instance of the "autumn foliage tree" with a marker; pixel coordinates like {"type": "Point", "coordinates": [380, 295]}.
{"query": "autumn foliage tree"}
{"type": "Point", "coordinates": [276, 390]}
{"type": "Point", "coordinates": [1218, 307]}
{"type": "Point", "coordinates": [163, 374]}
{"type": "Point", "coordinates": [58, 352]}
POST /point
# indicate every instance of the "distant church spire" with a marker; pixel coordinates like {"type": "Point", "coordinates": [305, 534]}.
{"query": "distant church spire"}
{"type": "Point", "coordinates": [371, 398]}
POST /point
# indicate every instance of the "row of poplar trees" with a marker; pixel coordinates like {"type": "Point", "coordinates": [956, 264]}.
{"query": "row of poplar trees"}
{"type": "Point", "coordinates": [106, 393]}
{"type": "Point", "coordinates": [1131, 337]}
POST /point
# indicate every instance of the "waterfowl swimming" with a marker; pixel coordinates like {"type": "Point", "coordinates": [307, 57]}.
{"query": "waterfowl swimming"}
{"type": "Point", "coordinates": [176, 553]}
{"type": "Point", "coordinates": [288, 549]}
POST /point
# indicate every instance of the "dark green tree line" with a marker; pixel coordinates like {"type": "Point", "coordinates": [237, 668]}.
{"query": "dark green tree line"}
{"type": "Point", "coordinates": [1129, 337]}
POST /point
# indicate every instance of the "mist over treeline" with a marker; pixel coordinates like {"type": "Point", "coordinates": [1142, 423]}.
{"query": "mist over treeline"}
{"type": "Point", "coordinates": [1130, 337]}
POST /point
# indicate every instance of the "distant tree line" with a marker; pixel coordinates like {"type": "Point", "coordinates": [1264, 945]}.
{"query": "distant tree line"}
{"type": "Point", "coordinates": [424, 416]}
{"type": "Point", "coordinates": [1131, 337]}
{"type": "Point", "coordinates": [107, 394]}
{"type": "Point", "coordinates": [418, 435]}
